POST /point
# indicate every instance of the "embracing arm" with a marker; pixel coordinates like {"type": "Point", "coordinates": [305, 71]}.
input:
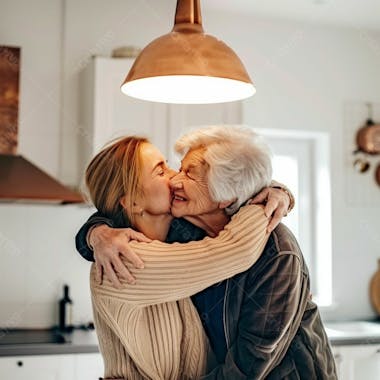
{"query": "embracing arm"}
{"type": "Point", "coordinates": [120, 247]}
{"type": "Point", "coordinates": [110, 243]}
{"type": "Point", "coordinates": [176, 271]}
{"type": "Point", "coordinates": [278, 200]}
{"type": "Point", "coordinates": [272, 310]}
{"type": "Point", "coordinates": [81, 237]}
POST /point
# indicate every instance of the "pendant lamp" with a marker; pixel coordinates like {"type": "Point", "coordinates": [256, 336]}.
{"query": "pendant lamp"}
{"type": "Point", "coordinates": [187, 66]}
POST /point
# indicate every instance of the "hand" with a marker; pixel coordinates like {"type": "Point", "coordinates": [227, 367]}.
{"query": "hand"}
{"type": "Point", "coordinates": [276, 205]}
{"type": "Point", "coordinates": [108, 245]}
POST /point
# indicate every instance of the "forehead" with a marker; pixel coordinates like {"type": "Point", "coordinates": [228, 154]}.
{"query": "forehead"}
{"type": "Point", "coordinates": [150, 155]}
{"type": "Point", "coordinates": [195, 159]}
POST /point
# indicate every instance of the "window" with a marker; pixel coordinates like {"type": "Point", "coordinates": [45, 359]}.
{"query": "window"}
{"type": "Point", "coordinates": [301, 161]}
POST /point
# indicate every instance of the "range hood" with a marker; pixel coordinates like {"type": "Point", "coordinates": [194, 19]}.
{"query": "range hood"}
{"type": "Point", "coordinates": [20, 180]}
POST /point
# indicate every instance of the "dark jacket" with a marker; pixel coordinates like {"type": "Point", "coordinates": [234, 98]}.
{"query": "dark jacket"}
{"type": "Point", "coordinates": [272, 327]}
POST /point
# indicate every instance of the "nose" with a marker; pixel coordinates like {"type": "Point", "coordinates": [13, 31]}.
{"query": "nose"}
{"type": "Point", "coordinates": [176, 181]}
{"type": "Point", "coordinates": [171, 173]}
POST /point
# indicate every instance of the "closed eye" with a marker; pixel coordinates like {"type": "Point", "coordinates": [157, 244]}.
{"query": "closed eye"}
{"type": "Point", "coordinates": [188, 173]}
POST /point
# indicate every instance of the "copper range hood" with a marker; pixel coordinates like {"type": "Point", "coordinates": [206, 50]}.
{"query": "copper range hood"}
{"type": "Point", "coordinates": [20, 180]}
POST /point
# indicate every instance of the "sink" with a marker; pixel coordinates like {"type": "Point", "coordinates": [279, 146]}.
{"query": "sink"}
{"type": "Point", "coordinates": [352, 329]}
{"type": "Point", "coordinates": [30, 336]}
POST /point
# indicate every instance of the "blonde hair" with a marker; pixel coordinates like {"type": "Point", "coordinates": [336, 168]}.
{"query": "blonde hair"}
{"type": "Point", "coordinates": [113, 173]}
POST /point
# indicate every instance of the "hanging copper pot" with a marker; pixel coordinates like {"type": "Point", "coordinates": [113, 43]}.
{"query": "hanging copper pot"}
{"type": "Point", "coordinates": [368, 138]}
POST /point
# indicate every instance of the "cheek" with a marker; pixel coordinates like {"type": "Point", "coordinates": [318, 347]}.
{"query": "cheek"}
{"type": "Point", "coordinates": [161, 187]}
{"type": "Point", "coordinates": [202, 196]}
{"type": "Point", "coordinates": [203, 188]}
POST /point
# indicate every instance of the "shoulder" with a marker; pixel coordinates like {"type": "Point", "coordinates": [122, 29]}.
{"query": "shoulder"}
{"type": "Point", "coordinates": [280, 253]}
{"type": "Point", "coordinates": [284, 241]}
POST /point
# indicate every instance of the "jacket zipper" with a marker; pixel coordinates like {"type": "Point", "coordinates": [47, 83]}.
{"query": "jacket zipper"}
{"type": "Point", "coordinates": [225, 325]}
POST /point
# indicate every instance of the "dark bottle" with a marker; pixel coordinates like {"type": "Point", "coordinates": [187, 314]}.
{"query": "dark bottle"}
{"type": "Point", "coordinates": [65, 311]}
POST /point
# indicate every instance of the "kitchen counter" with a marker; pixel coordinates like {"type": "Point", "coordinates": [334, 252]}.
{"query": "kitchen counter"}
{"type": "Point", "coordinates": [85, 341]}
{"type": "Point", "coordinates": [76, 342]}
{"type": "Point", "coordinates": [353, 332]}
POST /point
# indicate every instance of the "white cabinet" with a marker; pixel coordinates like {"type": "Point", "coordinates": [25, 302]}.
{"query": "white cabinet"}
{"type": "Point", "coordinates": [88, 366]}
{"type": "Point", "coordinates": [52, 367]}
{"type": "Point", "coordinates": [44, 367]}
{"type": "Point", "coordinates": [182, 118]}
{"type": "Point", "coordinates": [358, 362]}
{"type": "Point", "coordinates": [106, 113]}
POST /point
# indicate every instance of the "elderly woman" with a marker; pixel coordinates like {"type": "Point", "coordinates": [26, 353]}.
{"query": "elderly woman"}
{"type": "Point", "coordinates": [262, 322]}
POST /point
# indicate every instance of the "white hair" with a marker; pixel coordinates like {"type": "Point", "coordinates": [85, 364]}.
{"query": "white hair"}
{"type": "Point", "coordinates": [239, 161]}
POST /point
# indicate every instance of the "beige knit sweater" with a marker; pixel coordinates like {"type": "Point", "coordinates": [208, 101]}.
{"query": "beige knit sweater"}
{"type": "Point", "coordinates": [151, 330]}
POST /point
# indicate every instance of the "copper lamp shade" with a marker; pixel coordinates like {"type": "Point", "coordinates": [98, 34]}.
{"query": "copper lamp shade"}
{"type": "Point", "coordinates": [187, 66]}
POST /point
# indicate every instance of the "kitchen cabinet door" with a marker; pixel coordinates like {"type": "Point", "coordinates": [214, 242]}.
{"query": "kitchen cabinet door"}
{"type": "Point", "coordinates": [182, 118]}
{"type": "Point", "coordinates": [358, 362]}
{"type": "Point", "coordinates": [88, 366]}
{"type": "Point", "coordinates": [106, 113]}
{"type": "Point", "coordinates": [44, 367]}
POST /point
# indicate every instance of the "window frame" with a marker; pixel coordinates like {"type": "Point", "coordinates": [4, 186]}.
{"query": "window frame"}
{"type": "Point", "coordinates": [313, 203]}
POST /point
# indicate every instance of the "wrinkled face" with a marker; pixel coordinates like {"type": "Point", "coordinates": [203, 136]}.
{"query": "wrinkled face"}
{"type": "Point", "coordinates": [191, 196]}
{"type": "Point", "coordinates": [155, 197]}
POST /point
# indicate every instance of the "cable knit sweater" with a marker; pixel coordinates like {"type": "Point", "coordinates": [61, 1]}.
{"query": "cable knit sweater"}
{"type": "Point", "coordinates": [151, 330]}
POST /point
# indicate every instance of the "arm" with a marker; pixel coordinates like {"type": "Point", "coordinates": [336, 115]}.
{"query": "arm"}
{"type": "Point", "coordinates": [272, 310]}
{"type": "Point", "coordinates": [278, 200]}
{"type": "Point", "coordinates": [107, 257]}
{"type": "Point", "coordinates": [290, 197]}
{"type": "Point", "coordinates": [176, 271]}
{"type": "Point", "coordinates": [81, 237]}
{"type": "Point", "coordinates": [109, 242]}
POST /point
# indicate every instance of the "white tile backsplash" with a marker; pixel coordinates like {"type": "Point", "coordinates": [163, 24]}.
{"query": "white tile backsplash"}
{"type": "Point", "coordinates": [38, 257]}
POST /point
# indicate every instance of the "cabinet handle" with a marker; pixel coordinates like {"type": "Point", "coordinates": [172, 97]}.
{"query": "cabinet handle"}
{"type": "Point", "coordinates": [20, 363]}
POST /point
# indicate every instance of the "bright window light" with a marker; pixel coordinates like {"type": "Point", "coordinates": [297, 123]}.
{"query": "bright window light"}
{"type": "Point", "coordinates": [301, 162]}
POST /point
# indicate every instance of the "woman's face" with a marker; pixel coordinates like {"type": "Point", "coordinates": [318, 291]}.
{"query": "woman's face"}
{"type": "Point", "coordinates": [155, 199]}
{"type": "Point", "coordinates": [191, 196]}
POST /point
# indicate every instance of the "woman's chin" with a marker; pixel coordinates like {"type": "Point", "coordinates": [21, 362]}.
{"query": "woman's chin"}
{"type": "Point", "coordinates": [177, 211]}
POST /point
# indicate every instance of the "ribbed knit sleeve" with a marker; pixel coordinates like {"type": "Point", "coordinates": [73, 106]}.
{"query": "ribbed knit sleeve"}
{"type": "Point", "coordinates": [175, 271]}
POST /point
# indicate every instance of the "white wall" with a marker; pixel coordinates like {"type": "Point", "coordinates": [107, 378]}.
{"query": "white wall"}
{"type": "Point", "coordinates": [37, 258]}
{"type": "Point", "coordinates": [304, 75]}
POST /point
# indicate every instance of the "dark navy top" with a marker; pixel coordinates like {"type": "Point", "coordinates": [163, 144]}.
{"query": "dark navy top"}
{"type": "Point", "coordinates": [210, 305]}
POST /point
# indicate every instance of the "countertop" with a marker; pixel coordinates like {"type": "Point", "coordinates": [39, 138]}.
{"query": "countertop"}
{"type": "Point", "coordinates": [343, 333]}
{"type": "Point", "coordinates": [76, 342]}
{"type": "Point", "coordinates": [85, 341]}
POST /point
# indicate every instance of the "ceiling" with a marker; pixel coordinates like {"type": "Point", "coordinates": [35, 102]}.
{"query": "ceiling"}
{"type": "Point", "coordinates": [354, 13]}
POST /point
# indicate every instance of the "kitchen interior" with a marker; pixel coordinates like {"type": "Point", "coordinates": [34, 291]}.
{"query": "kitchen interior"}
{"type": "Point", "coordinates": [315, 66]}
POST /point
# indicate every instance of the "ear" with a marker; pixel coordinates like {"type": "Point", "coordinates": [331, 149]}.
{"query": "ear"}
{"type": "Point", "coordinates": [124, 201]}
{"type": "Point", "coordinates": [136, 209]}
{"type": "Point", "coordinates": [225, 204]}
